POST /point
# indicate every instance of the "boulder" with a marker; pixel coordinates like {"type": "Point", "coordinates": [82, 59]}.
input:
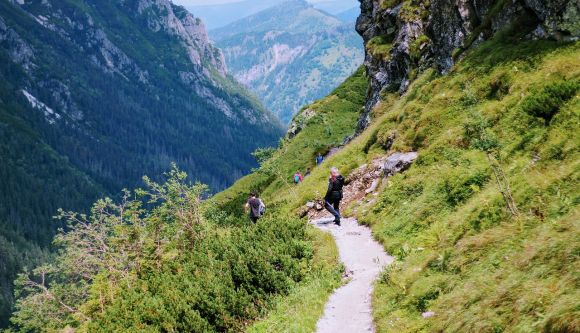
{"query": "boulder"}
{"type": "Point", "coordinates": [373, 186]}
{"type": "Point", "coordinates": [398, 162]}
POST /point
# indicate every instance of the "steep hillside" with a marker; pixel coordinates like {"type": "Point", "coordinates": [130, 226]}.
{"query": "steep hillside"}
{"type": "Point", "coordinates": [484, 225]}
{"type": "Point", "coordinates": [94, 94]}
{"type": "Point", "coordinates": [290, 55]}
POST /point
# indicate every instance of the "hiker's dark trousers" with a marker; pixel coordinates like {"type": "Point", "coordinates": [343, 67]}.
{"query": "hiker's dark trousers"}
{"type": "Point", "coordinates": [333, 206]}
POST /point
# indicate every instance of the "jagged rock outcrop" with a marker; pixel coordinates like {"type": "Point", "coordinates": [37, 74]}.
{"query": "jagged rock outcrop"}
{"type": "Point", "coordinates": [299, 122]}
{"type": "Point", "coordinates": [398, 162]}
{"type": "Point", "coordinates": [191, 30]}
{"type": "Point", "coordinates": [403, 37]}
{"type": "Point", "coordinates": [364, 181]}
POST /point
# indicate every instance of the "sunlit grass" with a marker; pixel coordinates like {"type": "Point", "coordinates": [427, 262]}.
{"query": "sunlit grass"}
{"type": "Point", "coordinates": [459, 253]}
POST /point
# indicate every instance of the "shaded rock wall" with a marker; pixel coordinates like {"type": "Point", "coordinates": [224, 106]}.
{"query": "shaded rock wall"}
{"type": "Point", "coordinates": [432, 33]}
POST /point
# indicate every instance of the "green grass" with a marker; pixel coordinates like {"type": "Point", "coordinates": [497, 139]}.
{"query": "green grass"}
{"type": "Point", "coordinates": [379, 47]}
{"type": "Point", "coordinates": [458, 251]}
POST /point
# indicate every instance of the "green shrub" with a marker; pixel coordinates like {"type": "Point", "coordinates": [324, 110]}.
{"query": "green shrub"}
{"type": "Point", "coordinates": [462, 185]}
{"type": "Point", "coordinates": [418, 46]}
{"type": "Point", "coordinates": [499, 86]}
{"type": "Point", "coordinates": [380, 47]}
{"type": "Point", "coordinates": [156, 264]}
{"type": "Point", "coordinates": [385, 4]}
{"type": "Point", "coordinates": [547, 101]}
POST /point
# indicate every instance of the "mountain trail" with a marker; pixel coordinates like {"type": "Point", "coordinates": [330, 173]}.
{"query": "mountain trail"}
{"type": "Point", "coordinates": [348, 309]}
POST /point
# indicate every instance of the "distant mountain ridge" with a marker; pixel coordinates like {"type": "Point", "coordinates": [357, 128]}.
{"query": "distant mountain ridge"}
{"type": "Point", "coordinates": [292, 16]}
{"type": "Point", "coordinates": [290, 54]}
{"type": "Point", "coordinates": [94, 94]}
{"type": "Point", "coordinates": [220, 15]}
{"type": "Point", "coordinates": [217, 16]}
{"type": "Point", "coordinates": [349, 15]}
{"type": "Point", "coordinates": [335, 7]}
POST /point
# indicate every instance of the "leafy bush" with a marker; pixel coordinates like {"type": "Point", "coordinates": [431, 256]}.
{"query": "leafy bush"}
{"type": "Point", "coordinates": [458, 189]}
{"type": "Point", "coordinates": [156, 263]}
{"type": "Point", "coordinates": [546, 102]}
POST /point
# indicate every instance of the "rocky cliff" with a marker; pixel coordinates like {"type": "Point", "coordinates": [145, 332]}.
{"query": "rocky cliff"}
{"type": "Point", "coordinates": [189, 29]}
{"type": "Point", "coordinates": [404, 37]}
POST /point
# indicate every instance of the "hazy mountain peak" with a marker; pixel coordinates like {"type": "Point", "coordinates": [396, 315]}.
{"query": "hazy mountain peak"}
{"type": "Point", "coordinates": [290, 54]}
{"type": "Point", "coordinates": [294, 16]}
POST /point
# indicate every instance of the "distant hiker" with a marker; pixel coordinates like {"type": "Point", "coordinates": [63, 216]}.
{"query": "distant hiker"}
{"type": "Point", "coordinates": [298, 178]}
{"type": "Point", "coordinates": [334, 194]}
{"type": "Point", "coordinates": [319, 159]}
{"type": "Point", "coordinates": [307, 172]}
{"type": "Point", "coordinates": [255, 206]}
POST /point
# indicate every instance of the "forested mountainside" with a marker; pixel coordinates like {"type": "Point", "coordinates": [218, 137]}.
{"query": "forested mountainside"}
{"type": "Point", "coordinates": [95, 94]}
{"type": "Point", "coordinates": [290, 54]}
{"type": "Point", "coordinates": [483, 225]}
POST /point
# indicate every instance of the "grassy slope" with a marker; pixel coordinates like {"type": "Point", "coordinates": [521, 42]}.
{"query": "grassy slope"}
{"type": "Point", "coordinates": [458, 252]}
{"type": "Point", "coordinates": [336, 117]}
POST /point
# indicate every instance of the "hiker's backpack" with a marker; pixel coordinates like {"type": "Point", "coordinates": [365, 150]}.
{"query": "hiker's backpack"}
{"type": "Point", "coordinates": [297, 178]}
{"type": "Point", "coordinates": [262, 208]}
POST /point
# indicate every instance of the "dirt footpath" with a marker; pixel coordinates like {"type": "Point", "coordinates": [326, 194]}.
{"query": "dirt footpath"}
{"type": "Point", "coordinates": [349, 308]}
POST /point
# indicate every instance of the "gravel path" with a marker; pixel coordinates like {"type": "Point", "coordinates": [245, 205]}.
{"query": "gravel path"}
{"type": "Point", "coordinates": [349, 308]}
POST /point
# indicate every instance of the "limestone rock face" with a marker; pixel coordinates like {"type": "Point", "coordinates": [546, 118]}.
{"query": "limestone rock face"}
{"type": "Point", "coordinates": [188, 28]}
{"type": "Point", "coordinates": [403, 37]}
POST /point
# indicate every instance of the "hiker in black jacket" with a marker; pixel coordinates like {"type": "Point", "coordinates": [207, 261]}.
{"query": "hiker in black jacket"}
{"type": "Point", "coordinates": [334, 194]}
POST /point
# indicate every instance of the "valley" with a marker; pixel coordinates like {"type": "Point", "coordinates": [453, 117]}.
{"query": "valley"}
{"type": "Point", "coordinates": [456, 133]}
{"type": "Point", "coordinates": [291, 54]}
{"type": "Point", "coordinates": [96, 94]}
